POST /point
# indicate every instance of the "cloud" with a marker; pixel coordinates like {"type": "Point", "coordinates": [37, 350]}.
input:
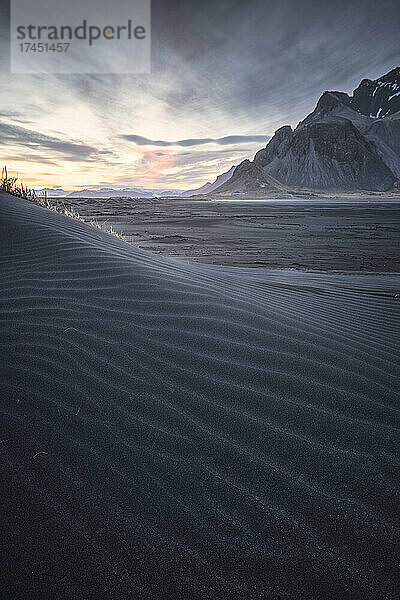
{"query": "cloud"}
{"type": "Point", "coordinates": [222, 141]}
{"type": "Point", "coordinates": [13, 135]}
{"type": "Point", "coordinates": [204, 158]}
{"type": "Point", "coordinates": [33, 158]}
{"type": "Point", "coordinates": [217, 67]}
{"type": "Point", "coordinates": [14, 116]}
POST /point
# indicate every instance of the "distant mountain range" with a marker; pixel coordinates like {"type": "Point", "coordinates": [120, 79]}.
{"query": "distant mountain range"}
{"type": "Point", "coordinates": [107, 193]}
{"type": "Point", "coordinates": [138, 192]}
{"type": "Point", "coordinates": [113, 193]}
{"type": "Point", "coordinates": [348, 143]}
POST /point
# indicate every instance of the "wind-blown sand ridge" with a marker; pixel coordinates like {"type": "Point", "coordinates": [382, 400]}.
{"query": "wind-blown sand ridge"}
{"type": "Point", "coordinates": [175, 430]}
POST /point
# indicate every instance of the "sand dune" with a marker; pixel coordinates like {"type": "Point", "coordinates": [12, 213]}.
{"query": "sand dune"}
{"type": "Point", "coordinates": [177, 431]}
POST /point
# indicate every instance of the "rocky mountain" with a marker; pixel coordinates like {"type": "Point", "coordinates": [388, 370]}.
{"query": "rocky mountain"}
{"type": "Point", "coordinates": [348, 143]}
{"type": "Point", "coordinates": [247, 177]}
{"type": "Point", "coordinates": [210, 187]}
{"type": "Point", "coordinates": [379, 98]}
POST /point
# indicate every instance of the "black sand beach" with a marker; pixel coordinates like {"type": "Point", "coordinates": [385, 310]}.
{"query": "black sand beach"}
{"type": "Point", "coordinates": [328, 234]}
{"type": "Point", "coordinates": [175, 430]}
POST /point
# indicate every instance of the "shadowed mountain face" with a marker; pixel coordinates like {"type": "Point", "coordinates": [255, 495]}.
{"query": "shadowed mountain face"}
{"type": "Point", "coordinates": [379, 98]}
{"type": "Point", "coordinates": [341, 146]}
{"type": "Point", "coordinates": [331, 152]}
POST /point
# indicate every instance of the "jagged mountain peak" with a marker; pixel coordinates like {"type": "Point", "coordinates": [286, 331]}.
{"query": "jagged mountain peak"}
{"type": "Point", "coordinates": [284, 131]}
{"type": "Point", "coordinates": [330, 100]}
{"type": "Point", "coordinates": [348, 143]}
{"type": "Point", "coordinates": [392, 77]}
{"type": "Point", "coordinates": [378, 98]}
{"type": "Point", "coordinates": [329, 104]}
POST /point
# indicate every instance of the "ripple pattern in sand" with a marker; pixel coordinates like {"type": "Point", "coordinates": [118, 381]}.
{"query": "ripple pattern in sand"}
{"type": "Point", "coordinates": [178, 431]}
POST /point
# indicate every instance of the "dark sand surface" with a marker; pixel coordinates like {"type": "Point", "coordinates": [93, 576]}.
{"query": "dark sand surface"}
{"type": "Point", "coordinates": [326, 235]}
{"type": "Point", "coordinates": [192, 432]}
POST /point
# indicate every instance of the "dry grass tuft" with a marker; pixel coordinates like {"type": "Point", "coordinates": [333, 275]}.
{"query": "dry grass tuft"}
{"type": "Point", "coordinates": [12, 186]}
{"type": "Point", "coordinates": [16, 188]}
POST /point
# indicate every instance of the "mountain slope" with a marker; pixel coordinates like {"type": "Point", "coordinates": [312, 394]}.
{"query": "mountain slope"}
{"type": "Point", "coordinates": [340, 146]}
{"type": "Point", "coordinates": [330, 152]}
{"type": "Point", "coordinates": [247, 177]}
{"type": "Point", "coordinates": [210, 187]}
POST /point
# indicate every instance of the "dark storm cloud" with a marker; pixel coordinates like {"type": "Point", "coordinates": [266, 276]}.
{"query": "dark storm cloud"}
{"type": "Point", "coordinates": [13, 135]}
{"type": "Point", "coordinates": [268, 58]}
{"type": "Point", "coordinates": [224, 141]}
{"type": "Point", "coordinates": [258, 64]}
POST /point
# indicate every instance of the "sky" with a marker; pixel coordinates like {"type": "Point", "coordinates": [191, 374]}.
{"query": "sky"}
{"type": "Point", "coordinates": [225, 75]}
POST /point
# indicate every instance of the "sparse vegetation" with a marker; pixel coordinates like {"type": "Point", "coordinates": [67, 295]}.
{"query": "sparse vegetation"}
{"type": "Point", "coordinates": [13, 186]}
